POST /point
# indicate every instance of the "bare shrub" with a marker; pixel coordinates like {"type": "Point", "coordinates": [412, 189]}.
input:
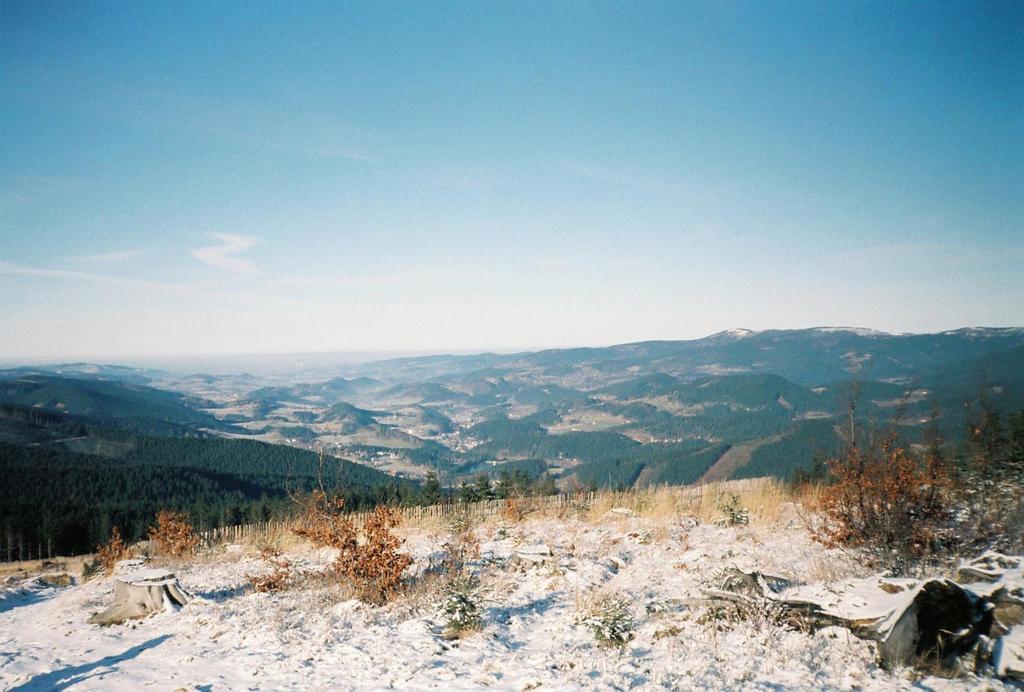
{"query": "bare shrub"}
{"type": "Point", "coordinates": [373, 565]}
{"type": "Point", "coordinates": [173, 536]}
{"type": "Point", "coordinates": [280, 576]}
{"type": "Point", "coordinates": [113, 551]}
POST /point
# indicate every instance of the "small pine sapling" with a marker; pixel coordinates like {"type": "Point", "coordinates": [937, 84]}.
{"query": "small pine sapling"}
{"type": "Point", "coordinates": [609, 617]}
{"type": "Point", "coordinates": [735, 513]}
{"type": "Point", "coordinates": [462, 605]}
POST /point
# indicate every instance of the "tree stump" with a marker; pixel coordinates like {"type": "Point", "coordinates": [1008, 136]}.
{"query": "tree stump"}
{"type": "Point", "coordinates": [908, 618]}
{"type": "Point", "coordinates": [140, 594]}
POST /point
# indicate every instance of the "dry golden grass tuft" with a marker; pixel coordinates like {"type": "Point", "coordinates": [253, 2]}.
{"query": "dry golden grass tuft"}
{"type": "Point", "coordinates": [762, 497]}
{"type": "Point", "coordinates": [280, 537]}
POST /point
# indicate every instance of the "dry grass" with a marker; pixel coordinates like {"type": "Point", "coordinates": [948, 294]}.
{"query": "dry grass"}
{"type": "Point", "coordinates": [279, 537]}
{"type": "Point", "coordinates": [24, 569]}
{"type": "Point", "coordinates": [763, 497]}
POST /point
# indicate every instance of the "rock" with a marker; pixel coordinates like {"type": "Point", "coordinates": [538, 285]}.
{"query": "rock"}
{"type": "Point", "coordinates": [1000, 578]}
{"type": "Point", "coordinates": [533, 554]}
{"type": "Point", "coordinates": [57, 580]}
{"type": "Point", "coordinates": [991, 567]}
{"type": "Point", "coordinates": [141, 593]}
{"type": "Point", "coordinates": [1008, 654]}
{"type": "Point", "coordinates": [689, 523]}
{"type": "Point", "coordinates": [132, 565]}
{"type": "Point", "coordinates": [617, 562]}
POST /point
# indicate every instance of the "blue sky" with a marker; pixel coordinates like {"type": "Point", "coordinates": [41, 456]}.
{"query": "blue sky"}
{"type": "Point", "coordinates": [213, 178]}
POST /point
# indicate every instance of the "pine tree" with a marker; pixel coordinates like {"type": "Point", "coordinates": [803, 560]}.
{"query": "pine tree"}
{"type": "Point", "coordinates": [430, 494]}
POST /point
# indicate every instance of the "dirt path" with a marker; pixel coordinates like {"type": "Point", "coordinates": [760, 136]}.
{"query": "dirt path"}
{"type": "Point", "coordinates": [734, 458]}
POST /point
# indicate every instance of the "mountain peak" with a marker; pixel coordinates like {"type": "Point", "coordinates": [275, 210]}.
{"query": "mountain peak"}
{"type": "Point", "coordinates": [735, 333]}
{"type": "Point", "coordinates": [859, 331]}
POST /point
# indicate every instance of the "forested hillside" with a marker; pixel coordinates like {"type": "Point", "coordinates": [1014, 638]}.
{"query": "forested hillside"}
{"type": "Point", "coordinates": [66, 502]}
{"type": "Point", "coordinates": [112, 445]}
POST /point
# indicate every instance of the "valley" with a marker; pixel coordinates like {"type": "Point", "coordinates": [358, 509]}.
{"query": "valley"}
{"type": "Point", "coordinates": [655, 412]}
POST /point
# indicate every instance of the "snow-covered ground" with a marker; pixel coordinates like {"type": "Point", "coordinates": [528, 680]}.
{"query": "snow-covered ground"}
{"type": "Point", "coordinates": [312, 638]}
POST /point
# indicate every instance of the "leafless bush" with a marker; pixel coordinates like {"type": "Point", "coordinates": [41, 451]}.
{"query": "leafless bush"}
{"type": "Point", "coordinates": [989, 493]}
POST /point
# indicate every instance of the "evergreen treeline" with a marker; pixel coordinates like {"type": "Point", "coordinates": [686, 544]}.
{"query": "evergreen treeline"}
{"type": "Point", "coordinates": [54, 501]}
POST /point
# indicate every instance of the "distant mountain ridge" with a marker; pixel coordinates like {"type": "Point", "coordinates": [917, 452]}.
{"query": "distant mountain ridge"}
{"type": "Point", "coordinates": [805, 356]}
{"type": "Point", "coordinates": [732, 404]}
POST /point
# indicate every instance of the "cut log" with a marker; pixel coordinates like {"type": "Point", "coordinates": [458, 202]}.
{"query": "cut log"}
{"type": "Point", "coordinates": [141, 593]}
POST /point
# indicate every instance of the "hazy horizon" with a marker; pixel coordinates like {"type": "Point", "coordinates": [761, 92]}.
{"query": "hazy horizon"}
{"type": "Point", "coordinates": [376, 177]}
{"type": "Point", "coordinates": [290, 361]}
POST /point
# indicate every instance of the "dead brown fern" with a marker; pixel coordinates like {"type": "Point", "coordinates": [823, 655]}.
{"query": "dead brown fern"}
{"type": "Point", "coordinates": [173, 536]}
{"type": "Point", "coordinates": [113, 551]}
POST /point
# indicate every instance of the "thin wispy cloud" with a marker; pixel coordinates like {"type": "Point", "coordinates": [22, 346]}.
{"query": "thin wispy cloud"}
{"type": "Point", "coordinates": [112, 257]}
{"type": "Point", "coordinates": [9, 269]}
{"type": "Point", "coordinates": [192, 291]}
{"type": "Point", "coordinates": [225, 254]}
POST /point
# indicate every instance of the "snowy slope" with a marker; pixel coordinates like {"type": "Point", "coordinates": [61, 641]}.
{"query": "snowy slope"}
{"type": "Point", "coordinates": [310, 638]}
